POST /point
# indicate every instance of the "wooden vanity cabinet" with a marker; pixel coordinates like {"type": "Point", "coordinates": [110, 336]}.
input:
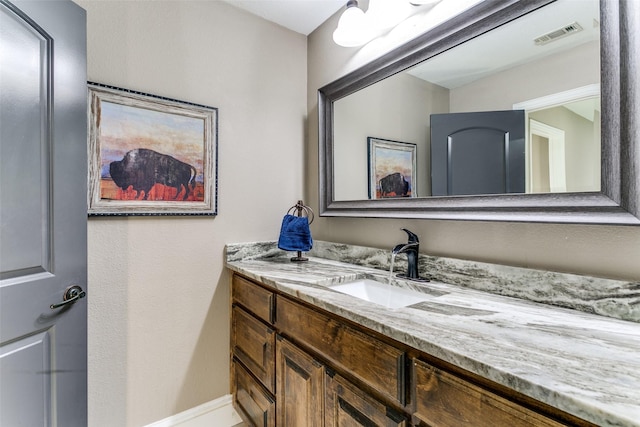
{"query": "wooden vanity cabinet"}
{"type": "Point", "coordinates": [253, 345]}
{"type": "Point", "coordinates": [300, 387]}
{"type": "Point", "coordinates": [375, 363]}
{"type": "Point", "coordinates": [254, 403]}
{"type": "Point", "coordinates": [253, 298]}
{"type": "Point", "coordinates": [253, 371]}
{"type": "Point", "coordinates": [348, 405]}
{"type": "Point", "coordinates": [275, 381]}
{"type": "Point", "coordinates": [445, 400]}
{"type": "Point", "coordinates": [295, 365]}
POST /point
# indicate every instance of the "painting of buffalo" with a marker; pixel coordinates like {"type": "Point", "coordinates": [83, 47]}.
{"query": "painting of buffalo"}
{"type": "Point", "coordinates": [142, 168]}
{"type": "Point", "coordinates": [150, 155]}
{"type": "Point", "coordinates": [392, 168]}
{"type": "Point", "coordinates": [394, 185]}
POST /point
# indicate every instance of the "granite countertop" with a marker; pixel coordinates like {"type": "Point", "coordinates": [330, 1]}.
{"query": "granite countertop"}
{"type": "Point", "coordinates": [584, 364]}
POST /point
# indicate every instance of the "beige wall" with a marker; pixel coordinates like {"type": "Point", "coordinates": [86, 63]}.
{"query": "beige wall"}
{"type": "Point", "coordinates": [595, 250]}
{"type": "Point", "coordinates": [582, 146]}
{"type": "Point", "coordinates": [547, 76]}
{"type": "Point", "coordinates": [397, 109]}
{"type": "Point", "coordinates": [158, 295]}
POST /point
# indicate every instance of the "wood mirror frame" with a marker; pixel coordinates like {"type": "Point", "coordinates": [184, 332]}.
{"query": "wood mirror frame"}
{"type": "Point", "coordinates": [618, 202]}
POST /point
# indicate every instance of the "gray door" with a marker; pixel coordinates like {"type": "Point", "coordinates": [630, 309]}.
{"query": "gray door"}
{"type": "Point", "coordinates": [478, 153]}
{"type": "Point", "coordinates": [43, 216]}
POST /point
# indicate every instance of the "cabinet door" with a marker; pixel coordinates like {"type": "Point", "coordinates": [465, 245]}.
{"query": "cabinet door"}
{"type": "Point", "coordinates": [444, 400]}
{"type": "Point", "coordinates": [253, 402]}
{"type": "Point", "coordinates": [348, 406]}
{"type": "Point", "coordinates": [300, 386]}
{"type": "Point", "coordinates": [252, 342]}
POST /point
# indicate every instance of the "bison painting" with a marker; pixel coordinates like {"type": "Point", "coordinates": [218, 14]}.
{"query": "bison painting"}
{"type": "Point", "coordinates": [394, 185]}
{"type": "Point", "coordinates": [142, 169]}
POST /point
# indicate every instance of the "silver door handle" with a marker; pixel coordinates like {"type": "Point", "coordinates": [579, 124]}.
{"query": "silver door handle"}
{"type": "Point", "coordinates": [71, 295]}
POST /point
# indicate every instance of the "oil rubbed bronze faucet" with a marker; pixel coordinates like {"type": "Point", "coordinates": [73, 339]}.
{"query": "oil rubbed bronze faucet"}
{"type": "Point", "coordinates": [411, 248]}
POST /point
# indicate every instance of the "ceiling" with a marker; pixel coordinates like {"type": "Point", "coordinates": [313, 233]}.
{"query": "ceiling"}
{"type": "Point", "coordinates": [512, 44]}
{"type": "Point", "coordinates": [301, 16]}
{"type": "Point", "coordinates": [500, 49]}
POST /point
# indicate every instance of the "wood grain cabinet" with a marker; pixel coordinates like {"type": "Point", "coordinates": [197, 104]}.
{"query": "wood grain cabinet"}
{"type": "Point", "coordinates": [347, 405]}
{"type": "Point", "coordinates": [253, 344]}
{"type": "Point", "coordinates": [300, 387]}
{"type": "Point", "coordinates": [253, 374]}
{"type": "Point", "coordinates": [253, 298]}
{"type": "Point", "coordinates": [444, 400]}
{"type": "Point", "coordinates": [254, 403]}
{"type": "Point", "coordinates": [295, 365]}
{"type": "Point", "coordinates": [375, 363]}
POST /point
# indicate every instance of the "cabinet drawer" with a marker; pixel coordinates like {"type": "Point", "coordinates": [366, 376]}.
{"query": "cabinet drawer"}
{"type": "Point", "coordinates": [445, 400]}
{"type": "Point", "coordinates": [253, 297]}
{"type": "Point", "coordinates": [253, 343]}
{"type": "Point", "coordinates": [346, 405]}
{"type": "Point", "coordinates": [253, 403]}
{"type": "Point", "coordinates": [377, 364]}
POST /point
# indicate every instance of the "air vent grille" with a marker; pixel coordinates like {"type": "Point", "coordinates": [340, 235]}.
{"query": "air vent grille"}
{"type": "Point", "coordinates": [558, 34]}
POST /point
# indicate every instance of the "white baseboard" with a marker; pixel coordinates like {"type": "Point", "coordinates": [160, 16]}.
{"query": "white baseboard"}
{"type": "Point", "coordinates": [218, 412]}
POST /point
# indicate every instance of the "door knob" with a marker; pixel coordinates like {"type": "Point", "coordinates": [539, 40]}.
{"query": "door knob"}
{"type": "Point", "coordinates": [71, 295]}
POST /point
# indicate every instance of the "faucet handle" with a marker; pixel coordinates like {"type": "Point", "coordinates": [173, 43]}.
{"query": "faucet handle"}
{"type": "Point", "coordinates": [413, 238]}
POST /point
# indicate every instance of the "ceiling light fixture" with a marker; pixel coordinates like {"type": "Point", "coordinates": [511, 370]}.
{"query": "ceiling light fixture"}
{"type": "Point", "coordinates": [353, 29]}
{"type": "Point", "coordinates": [383, 15]}
{"type": "Point", "coordinates": [356, 28]}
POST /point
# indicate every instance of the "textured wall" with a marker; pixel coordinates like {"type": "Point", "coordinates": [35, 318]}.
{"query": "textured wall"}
{"type": "Point", "coordinates": [601, 251]}
{"type": "Point", "coordinates": [158, 294]}
{"type": "Point", "coordinates": [393, 109]}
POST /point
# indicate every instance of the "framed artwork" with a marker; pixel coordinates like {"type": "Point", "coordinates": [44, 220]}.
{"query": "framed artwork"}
{"type": "Point", "coordinates": [392, 168]}
{"type": "Point", "coordinates": [150, 155]}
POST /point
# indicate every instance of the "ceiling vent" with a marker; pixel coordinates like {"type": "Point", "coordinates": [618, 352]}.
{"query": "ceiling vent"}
{"type": "Point", "coordinates": [558, 34]}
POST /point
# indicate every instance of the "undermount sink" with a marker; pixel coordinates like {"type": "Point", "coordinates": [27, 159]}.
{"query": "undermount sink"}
{"type": "Point", "coordinates": [380, 293]}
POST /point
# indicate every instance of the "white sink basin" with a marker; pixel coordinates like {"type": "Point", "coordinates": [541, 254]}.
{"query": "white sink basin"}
{"type": "Point", "coordinates": [380, 293]}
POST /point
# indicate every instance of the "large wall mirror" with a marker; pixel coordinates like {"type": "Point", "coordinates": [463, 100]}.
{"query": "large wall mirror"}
{"type": "Point", "coordinates": [513, 111]}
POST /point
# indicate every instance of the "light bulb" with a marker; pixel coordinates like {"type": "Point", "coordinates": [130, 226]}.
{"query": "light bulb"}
{"type": "Point", "coordinates": [353, 29]}
{"type": "Point", "coordinates": [386, 14]}
{"type": "Point", "coordinates": [422, 2]}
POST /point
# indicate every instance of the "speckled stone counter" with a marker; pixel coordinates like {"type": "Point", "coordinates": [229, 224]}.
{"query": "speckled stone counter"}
{"type": "Point", "coordinates": [584, 364]}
